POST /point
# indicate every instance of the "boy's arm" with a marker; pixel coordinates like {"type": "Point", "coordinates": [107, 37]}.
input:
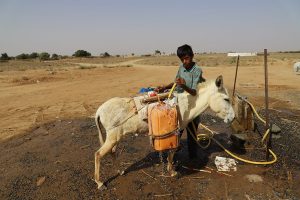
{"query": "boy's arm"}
{"type": "Point", "coordinates": [189, 90]}
{"type": "Point", "coordinates": [163, 87]}
{"type": "Point", "coordinates": [181, 83]}
{"type": "Point", "coordinates": [197, 75]}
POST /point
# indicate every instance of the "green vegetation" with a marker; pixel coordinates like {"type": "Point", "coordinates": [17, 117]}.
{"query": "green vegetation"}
{"type": "Point", "coordinates": [33, 55]}
{"type": "Point", "coordinates": [44, 56]}
{"type": "Point", "coordinates": [54, 57]}
{"type": "Point", "coordinates": [157, 52]}
{"type": "Point", "coordinates": [28, 61]}
{"type": "Point", "coordinates": [4, 57]}
{"type": "Point", "coordinates": [22, 56]}
{"type": "Point", "coordinates": [81, 53]}
{"type": "Point", "coordinates": [105, 55]}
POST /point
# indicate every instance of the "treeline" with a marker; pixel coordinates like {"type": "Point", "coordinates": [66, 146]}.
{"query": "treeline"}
{"type": "Point", "coordinates": [33, 55]}
{"type": "Point", "coordinates": [83, 53]}
{"type": "Point", "coordinates": [47, 56]}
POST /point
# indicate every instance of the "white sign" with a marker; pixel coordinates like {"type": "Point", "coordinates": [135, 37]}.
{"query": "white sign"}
{"type": "Point", "coordinates": [241, 54]}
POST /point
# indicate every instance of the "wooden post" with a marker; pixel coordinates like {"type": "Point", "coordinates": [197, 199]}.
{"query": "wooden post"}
{"type": "Point", "coordinates": [236, 70]}
{"type": "Point", "coordinates": [269, 138]}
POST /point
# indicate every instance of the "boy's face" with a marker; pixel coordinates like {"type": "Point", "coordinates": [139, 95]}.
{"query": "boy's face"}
{"type": "Point", "coordinates": [187, 61]}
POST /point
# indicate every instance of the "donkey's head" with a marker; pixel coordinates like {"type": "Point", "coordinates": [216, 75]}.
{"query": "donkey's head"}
{"type": "Point", "coordinates": [219, 102]}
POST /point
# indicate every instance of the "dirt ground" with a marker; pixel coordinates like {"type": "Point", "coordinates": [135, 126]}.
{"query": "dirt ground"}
{"type": "Point", "coordinates": [48, 136]}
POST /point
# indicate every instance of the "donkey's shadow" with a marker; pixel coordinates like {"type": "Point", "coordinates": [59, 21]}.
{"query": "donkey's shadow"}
{"type": "Point", "coordinates": [184, 166]}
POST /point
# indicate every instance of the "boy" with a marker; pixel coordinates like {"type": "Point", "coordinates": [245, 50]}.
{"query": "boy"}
{"type": "Point", "coordinates": [188, 76]}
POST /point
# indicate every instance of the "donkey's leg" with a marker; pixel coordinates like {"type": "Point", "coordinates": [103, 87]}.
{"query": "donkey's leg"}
{"type": "Point", "coordinates": [116, 161]}
{"type": "Point", "coordinates": [170, 158]}
{"type": "Point", "coordinates": [106, 148]}
{"type": "Point", "coordinates": [113, 150]}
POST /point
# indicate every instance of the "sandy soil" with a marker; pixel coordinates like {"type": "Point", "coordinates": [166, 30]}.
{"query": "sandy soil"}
{"type": "Point", "coordinates": [38, 96]}
{"type": "Point", "coordinates": [47, 133]}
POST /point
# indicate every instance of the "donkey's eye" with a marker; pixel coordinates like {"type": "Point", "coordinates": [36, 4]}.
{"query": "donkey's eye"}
{"type": "Point", "coordinates": [226, 99]}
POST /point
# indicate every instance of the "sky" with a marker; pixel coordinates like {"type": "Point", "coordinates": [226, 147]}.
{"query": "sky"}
{"type": "Point", "coordinates": [142, 26]}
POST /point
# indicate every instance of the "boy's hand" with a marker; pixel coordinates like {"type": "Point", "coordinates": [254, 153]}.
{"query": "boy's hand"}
{"type": "Point", "coordinates": [180, 82]}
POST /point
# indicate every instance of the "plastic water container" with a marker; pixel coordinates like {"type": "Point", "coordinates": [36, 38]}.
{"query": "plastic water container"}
{"type": "Point", "coordinates": [164, 124]}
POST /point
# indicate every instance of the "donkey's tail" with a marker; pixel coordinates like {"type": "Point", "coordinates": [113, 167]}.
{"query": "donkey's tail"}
{"type": "Point", "coordinates": [99, 126]}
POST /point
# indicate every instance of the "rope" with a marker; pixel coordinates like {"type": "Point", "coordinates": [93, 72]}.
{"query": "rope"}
{"type": "Point", "coordinates": [261, 119]}
{"type": "Point", "coordinates": [203, 135]}
{"type": "Point", "coordinates": [210, 137]}
{"type": "Point", "coordinates": [165, 135]}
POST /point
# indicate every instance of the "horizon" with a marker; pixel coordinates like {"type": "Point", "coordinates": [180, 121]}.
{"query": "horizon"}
{"type": "Point", "coordinates": [150, 54]}
{"type": "Point", "coordinates": [132, 26]}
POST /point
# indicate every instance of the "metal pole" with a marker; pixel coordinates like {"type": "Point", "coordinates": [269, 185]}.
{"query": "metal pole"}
{"type": "Point", "coordinates": [236, 70]}
{"type": "Point", "coordinates": [267, 104]}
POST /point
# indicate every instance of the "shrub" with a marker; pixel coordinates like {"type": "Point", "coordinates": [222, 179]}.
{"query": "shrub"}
{"type": "Point", "coordinates": [4, 56]}
{"type": "Point", "coordinates": [54, 56]}
{"type": "Point", "coordinates": [22, 56]}
{"type": "Point", "coordinates": [157, 52]}
{"type": "Point", "coordinates": [81, 53]}
{"type": "Point", "coordinates": [64, 57]}
{"type": "Point", "coordinates": [105, 55]}
{"type": "Point", "coordinates": [44, 56]}
{"type": "Point", "coordinates": [33, 55]}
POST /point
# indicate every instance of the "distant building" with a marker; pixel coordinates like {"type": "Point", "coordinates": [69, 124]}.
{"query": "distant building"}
{"type": "Point", "coordinates": [241, 54]}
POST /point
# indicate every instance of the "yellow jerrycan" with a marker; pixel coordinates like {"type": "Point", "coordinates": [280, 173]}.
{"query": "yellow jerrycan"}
{"type": "Point", "coordinates": [163, 124]}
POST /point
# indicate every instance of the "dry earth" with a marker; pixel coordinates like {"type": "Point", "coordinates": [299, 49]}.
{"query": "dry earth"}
{"type": "Point", "coordinates": [48, 137]}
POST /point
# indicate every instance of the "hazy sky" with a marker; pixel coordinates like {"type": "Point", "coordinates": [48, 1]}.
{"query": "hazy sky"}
{"type": "Point", "coordinates": [142, 26]}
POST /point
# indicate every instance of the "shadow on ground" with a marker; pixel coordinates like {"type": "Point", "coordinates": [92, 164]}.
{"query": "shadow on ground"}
{"type": "Point", "coordinates": [56, 161]}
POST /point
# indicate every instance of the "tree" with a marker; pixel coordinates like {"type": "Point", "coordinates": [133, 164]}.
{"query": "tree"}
{"type": "Point", "coordinates": [104, 55]}
{"type": "Point", "coordinates": [81, 53]}
{"type": "Point", "coordinates": [33, 55]}
{"type": "Point", "coordinates": [54, 57]}
{"type": "Point", "coordinates": [22, 56]}
{"type": "Point", "coordinates": [157, 52]}
{"type": "Point", "coordinates": [44, 56]}
{"type": "Point", "coordinates": [4, 56]}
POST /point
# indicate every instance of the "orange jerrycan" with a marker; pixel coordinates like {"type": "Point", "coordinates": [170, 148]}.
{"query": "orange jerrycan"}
{"type": "Point", "coordinates": [163, 124]}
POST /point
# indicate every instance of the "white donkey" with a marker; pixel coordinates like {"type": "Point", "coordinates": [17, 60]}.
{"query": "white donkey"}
{"type": "Point", "coordinates": [118, 116]}
{"type": "Point", "coordinates": [297, 67]}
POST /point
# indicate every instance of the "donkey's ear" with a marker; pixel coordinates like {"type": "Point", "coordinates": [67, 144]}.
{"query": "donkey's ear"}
{"type": "Point", "coordinates": [219, 82]}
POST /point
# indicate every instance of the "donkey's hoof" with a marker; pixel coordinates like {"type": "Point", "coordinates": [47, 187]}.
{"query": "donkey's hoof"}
{"type": "Point", "coordinates": [100, 185]}
{"type": "Point", "coordinates": [178, 175]}
{"type": "Point", "coordinates": [121, 173]}
{"type": "Point", "coordinates": [173, 173]}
